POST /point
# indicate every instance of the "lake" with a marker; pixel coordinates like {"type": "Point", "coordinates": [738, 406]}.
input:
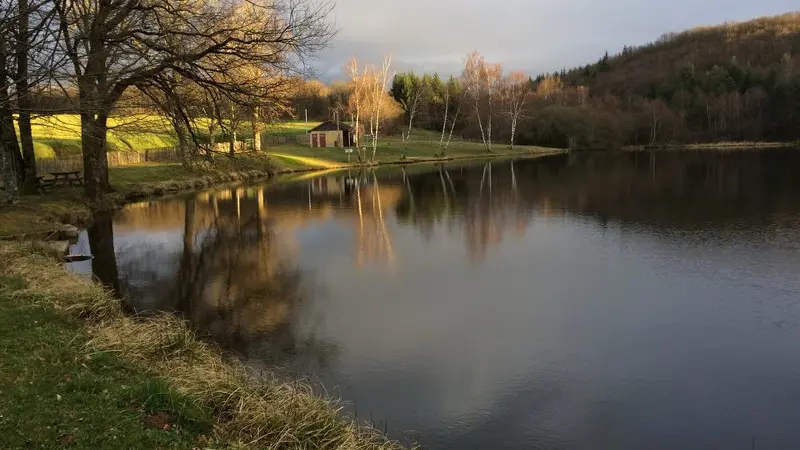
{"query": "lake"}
{"type": "Point", "coordinates": [586, 301]}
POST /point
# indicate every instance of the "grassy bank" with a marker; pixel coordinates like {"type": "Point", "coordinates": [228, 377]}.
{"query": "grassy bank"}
{"type": "Point", "coordinates": [57, 392]}
{"type": "Point", "coordinates": [40, 214]}
{"type": "Point", "coordinates": [392, 151]}
{"type": "Point", "coordinates": [77, 371]}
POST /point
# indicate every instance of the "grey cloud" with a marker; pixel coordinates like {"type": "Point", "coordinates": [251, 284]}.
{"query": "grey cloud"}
{"type": "Point", "coordinates": [529, 35]}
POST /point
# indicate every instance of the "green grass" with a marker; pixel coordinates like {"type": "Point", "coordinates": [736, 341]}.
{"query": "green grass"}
{"type": "Point", "coordinates": [39, 215]}
{"type": "Point", "coordinates": [124, 178]}
{"type": "Point", "coordinates": [55, 392]}
{"type": "Point", "coordinates": [392, 149]}
{"type": "Point", "coordinates": [59, 135]}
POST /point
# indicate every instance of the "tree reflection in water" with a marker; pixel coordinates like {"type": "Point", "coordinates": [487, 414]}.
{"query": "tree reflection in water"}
{"type": "Point", "coordinates": [229, 278]}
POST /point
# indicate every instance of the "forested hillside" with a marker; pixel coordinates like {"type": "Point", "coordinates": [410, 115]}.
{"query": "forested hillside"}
{"type": "Point", "coordinates": [732, 82]}
{"type": "Point", "coordinates": [736, 81]}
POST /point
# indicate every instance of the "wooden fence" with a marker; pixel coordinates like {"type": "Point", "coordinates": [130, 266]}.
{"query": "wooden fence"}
{"type": "Point", "coordinates": [115, 159]}
{"type": "Point", "coordinates": [121, 159]}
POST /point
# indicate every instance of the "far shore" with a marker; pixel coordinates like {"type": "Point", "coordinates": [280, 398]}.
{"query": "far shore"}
{"type": "Point", "coordinates": [41, 217]}
{"type": "Point", "coordinates": [714, 146]}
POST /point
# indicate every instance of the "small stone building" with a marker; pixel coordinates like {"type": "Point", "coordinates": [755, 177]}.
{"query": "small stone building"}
{"type": "Point", "coordinates": [331, 134]}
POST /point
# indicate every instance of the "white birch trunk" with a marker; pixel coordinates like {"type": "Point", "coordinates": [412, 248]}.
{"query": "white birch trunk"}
{"type": "Point", "coordinates": [446, 110]}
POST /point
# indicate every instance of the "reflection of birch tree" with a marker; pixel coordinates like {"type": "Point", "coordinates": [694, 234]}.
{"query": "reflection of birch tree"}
{"type": "Point", "coordinates": [373, 238]}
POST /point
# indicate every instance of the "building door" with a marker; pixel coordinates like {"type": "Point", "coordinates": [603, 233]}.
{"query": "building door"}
{"type": "Point", "coordinates": [322, 142]}
{"type": "Point", "coordinates": [314, 141]}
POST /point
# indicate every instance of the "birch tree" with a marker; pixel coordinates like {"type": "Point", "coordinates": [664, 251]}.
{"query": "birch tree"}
{"type": "Point", "coordinates": [454, 98]}
{"type": "Point", "coordinates": [481, 81]}
{"type": "Point", "coordinates": [472, 80]}
{"type": "Point", "coordinates": [378, 83]}
{"type": "Point", "coordinates": [411, 91]}
{"type": "Point", "coordinates": [493, 74]}
{"type": "Point", "coordinates": [357, 80]}
{"type": "Point", "coordinates": [515, 92]}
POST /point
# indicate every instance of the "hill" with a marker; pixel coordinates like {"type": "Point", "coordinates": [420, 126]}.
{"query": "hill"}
{"type": "Point", "coordinates": [745, 49]}
{"type": "Point", "coordinates": [736, 81]}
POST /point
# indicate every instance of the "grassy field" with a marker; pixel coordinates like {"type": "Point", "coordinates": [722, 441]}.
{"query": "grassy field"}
{"type": "Point", "coordinates": [59, 135]}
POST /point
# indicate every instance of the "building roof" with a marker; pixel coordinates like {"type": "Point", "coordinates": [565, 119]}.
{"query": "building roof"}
{"type": "Point", "coordinates": [331, 126]}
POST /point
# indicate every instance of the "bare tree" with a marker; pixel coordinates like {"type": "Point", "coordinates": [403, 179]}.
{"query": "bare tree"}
{"type": "Point", "coordinates": [27, 58]}
{"type": "Point", "coordinates": [453, 93]}
{"type": "Point", "coordinates": [115, 44]}
{"type": "Point", "coordinates": [472, 81]}
{"type": "Point", "coordinates": [31, 39]}
{"type": "Point", "coordinates": [10, 158]}
{"type": "Point", "coordinates": [481, 81]}
{"type": "Point", "coordinates": [515, 91]}
{"type": "Point", "coordinates": [169, 94]}
{"type": "Point", "coordinates": [494, 75]}
{"type": "Point", "coordinates": [356, 99]}
{"type": "Point", "coordinates": [378, 87]}
{"type": "Point", "coordinates": [419, 91]}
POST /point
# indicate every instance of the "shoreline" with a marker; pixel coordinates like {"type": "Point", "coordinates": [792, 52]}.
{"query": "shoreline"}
{"type": "Point", "coordinates": [77, 213]}
{"type": "Point", "coordinates": [718, 146]}
{"type": "Point", "coordinates": [235, 408]}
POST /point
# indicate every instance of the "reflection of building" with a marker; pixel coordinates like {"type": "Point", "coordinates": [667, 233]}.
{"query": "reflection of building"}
{"type": "Point", "coordinates": [327, 185]}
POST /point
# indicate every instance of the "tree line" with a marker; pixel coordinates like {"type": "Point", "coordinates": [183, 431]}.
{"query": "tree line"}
{"type": "Point", "coordinates": [185, 58]}
{"type": "Point", "coordinates": [734, 82]}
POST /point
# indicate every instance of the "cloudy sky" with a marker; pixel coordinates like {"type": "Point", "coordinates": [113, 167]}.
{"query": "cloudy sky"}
{"type": "Point", "coordinates": [529, 35]}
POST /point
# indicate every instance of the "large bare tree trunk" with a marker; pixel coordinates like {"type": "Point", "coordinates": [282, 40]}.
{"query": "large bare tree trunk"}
{"type": "Point", "coordinates": [95, 164]}
{"type": "Point", "coordinates": [8, 175]}
{"type": "Point", "coordinates": [10, 158]}
{"type": "Point", "coordinates": [24, 100]}
{"type": "Point", "coordinates": [182, 131]}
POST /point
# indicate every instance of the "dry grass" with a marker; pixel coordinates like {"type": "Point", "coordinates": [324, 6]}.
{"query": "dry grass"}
{"type": "Point", "coordinates": [250, 411]}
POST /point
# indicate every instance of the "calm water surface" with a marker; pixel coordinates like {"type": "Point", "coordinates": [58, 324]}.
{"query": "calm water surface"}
{"type": "Point", "coordinates": [578, 302]}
